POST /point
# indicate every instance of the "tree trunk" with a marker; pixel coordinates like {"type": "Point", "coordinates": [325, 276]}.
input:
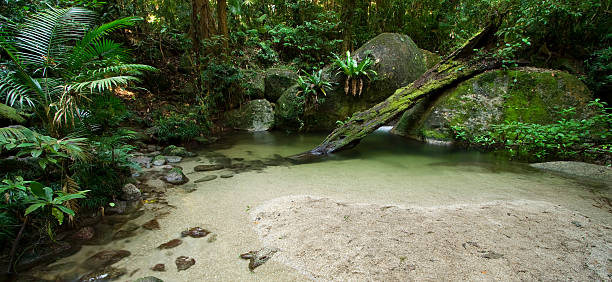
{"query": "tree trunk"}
{"type": "Point", "coordinates": [445, 74]}
{"type": "Point", "coordinates": [222, 23]}
{"type": "Point", "coordinates": [348, 12]}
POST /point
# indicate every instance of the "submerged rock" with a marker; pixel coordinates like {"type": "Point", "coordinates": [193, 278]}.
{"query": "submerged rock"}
{"type": "Point", "coordinates": [84, 234]}
{"type": "Point", "coordinates": [170, 244]}
{"type": "Point", "coordinates": [255, 115]}
{"type": "Point", "coordinates": [149, 279]}
{"type": "Point", "coordinates": [227, 174]}
{"type": "Point", "coordinates": [184, 263]}
{"type": "Point", "coordinates": [257, 258]}
{"type": "Point", "coordinates": [580, 169]}
{"type": "Point", "coordinates": [495, 97]}
{"type": "Point", "coordinates": [105, 258]}
{"type": "Point", "coordinates": [152, 224]}
{"type": "Point", "coordinates": [159, 267]}
{"type": "Point", "coordinates": [212, 167]}
{"type": "Point", "coordinates": [159, 160]}
{"type": "Point", "coordinates": [106, 274]}
{"type": "Point", "coordinates": [206, 178]}
{"type": "Point", "coordinates": [143, 161]}
{"type": "Point", "coordinates": [195, 232]}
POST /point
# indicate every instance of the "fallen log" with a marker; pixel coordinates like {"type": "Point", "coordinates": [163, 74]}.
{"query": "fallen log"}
{"type": "Point", "coordinates": [456, 67]}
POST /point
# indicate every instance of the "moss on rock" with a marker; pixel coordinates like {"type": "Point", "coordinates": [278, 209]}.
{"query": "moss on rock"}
{"type": "Point", "coordinates": [255, 115]}
{"type": "Point", "coordinates": [525, 95]}
{"type": "Point", "coordinates": [11, 114]}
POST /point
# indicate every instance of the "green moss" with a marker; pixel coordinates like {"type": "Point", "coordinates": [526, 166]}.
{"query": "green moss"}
{"type": "Point", "coordinates": [9, 113]}
{"type": "Point", "coordinates": [435, 134]}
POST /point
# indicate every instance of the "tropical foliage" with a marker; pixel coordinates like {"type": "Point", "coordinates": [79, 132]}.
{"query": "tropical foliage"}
{"type": "Point", "coordinates": [355, 72]}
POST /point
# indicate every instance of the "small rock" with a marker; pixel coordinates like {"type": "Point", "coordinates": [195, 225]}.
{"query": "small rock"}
{"type": "Point", "coordinates": [84, 234]}
{"type": "Point", "coordinates": [106, 274]}
{"type": "Point", "coordinates": [159, 160]}
{"type": "Point", "coordinates": [184, 263]}
{"type": "Point", "coordinates": [173, 159]}
{"type": "Point", "coordinates": [577, 224]}
{"type": "Point", "coordinates": [258, 258]}
{"type": "Point", "coordinates": [143, 161]}
{"type": "Point", "coordinates": [159, 267]}
{"type": "Point", "coordinates": [212, 238]}
{"type": "Point", "coordinates": [106, 258]}
{"type": "Point", "coordinates": [170, 244]}
{"type": "Point", "coordinates": [149, 279]}
{"type": "Point", "coordinates": [175, 176]}
{"type": "Point", "coordinates": [195, 232]}
{"type": "Point", "coordinates": [177, 151]}
{"type": "Point", "coordinates": [189, 188]}
{"type": "Point", "coordinates": [206, 178]}
{"type": "Point", "coordinates": [227, 174]}
{"type": "Point", "coordinates": [130, 192]}
{"type": "Point", "coordinates": [152, 224]}
{"type": "Point", "coordinates": [208, 167]}
{"type": "Point", "coordinates": [492, 255]}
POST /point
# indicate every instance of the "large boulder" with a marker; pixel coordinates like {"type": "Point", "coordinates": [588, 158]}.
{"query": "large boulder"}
{"type": "Point", "coordinates": [496, 97]}
{"type": "Point", "coordinates": [255, 115]}
{"type": "Point", "coordinates": [277, 80]}
{"type": "Point", "coordinates": [397, 61]}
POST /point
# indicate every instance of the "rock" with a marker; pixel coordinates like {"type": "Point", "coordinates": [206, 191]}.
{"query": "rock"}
{"type": "Point", "coordinates": [9, 113]}
{"type": "Point", "coordinates": [106, 274]}
{"type": "Point", "coordinates": [277, 81]}
{"type": "Point", "coordinates": [195, 232]}
{"type": "Point", "coordinates": [184, 263]}
{"type": "Point", "coordinates": [173, 159]}
{"type": "Point", "coordinates": [212, 167]}
{"type": "Point", "coordinates": [126, 231]}
{"type": "Point", "coordinates": [398, 62]}
{"type": "Point", "coordinates": [492, 255]}
{"type": "Point", "coordinates": [206, 178]}
{"type": "Point", "coordinates": [105, 258]}
{"type": "Point", "coordinates": [255, 83]}
{"type": "Point", "coordinates": [154, 185]}
{"type": "Point", "coordinates": [257, 258]}
{"type": "Point", "coordinates": [170, 244]}
{"type": "Point", "coordinates": [84, 234]}
{"type": "Point", "coordinates": [212, 238]}
{"type": "Point", "coordinates": [189, 188]}
{"type": "Point", "coordinates": [176, 177]}
{"type": "Point", "coordinates": [226, 174]}
{"type": "Point", "coordinates": [152, 224]}
{"type": "Point", "coordinates": [159, 267]}
{"type": "Point", "coordinates": [578, 169]}
{"type": "Point", "coordinates": [255, 115]}
{"type": "Point", "coordinates": [177, 151]}
{"type": "Point", "coordinates": [159, 160]}
{"type": "Point", "coordinates": [495, 97]}
{"type": "Point", "coordinates": [130, 192]}
{"type": "Point", "coordinates": [143, 161]}
{"type": "Point", "coordinates": [149, 279]}
{"type": "Point", "coordinates": [431, 59]}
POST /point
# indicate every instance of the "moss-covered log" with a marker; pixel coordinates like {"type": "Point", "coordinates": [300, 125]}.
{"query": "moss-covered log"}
{"type": "Point", "coordinates": [450, 71]}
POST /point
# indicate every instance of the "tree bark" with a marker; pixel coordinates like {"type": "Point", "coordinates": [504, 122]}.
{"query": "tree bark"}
{"type": "Point", "coordinates": [222, 23]}
{"type": "Point", "coordinates": [348, 12]}
{"type": "Point", "coordinates": [445, 74]}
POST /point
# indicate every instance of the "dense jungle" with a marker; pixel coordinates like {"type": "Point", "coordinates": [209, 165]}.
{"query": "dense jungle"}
{"type": "Point", "coordinates": [224, 140]}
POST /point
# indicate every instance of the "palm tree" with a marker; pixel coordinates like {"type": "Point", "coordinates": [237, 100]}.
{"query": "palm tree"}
{"type": "Point", "coordinates": [58, 59]}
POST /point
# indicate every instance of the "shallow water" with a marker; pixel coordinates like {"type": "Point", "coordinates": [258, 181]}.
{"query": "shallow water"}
{"type": "Point", "coordinates": [383, 169]}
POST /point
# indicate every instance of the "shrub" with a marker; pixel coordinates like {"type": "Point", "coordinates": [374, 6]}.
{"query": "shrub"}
{"type": "Point", "coordinates": [354, 72]}
{"type": "Point", "coordinates": [177, 127]}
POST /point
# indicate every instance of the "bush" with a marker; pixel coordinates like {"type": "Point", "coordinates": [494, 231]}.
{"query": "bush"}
{"type": "Point", "coordinates": [177, 127]}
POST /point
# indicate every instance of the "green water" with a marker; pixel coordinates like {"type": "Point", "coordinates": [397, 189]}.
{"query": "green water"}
{"type": "Point", "coordinates": [383, 169]}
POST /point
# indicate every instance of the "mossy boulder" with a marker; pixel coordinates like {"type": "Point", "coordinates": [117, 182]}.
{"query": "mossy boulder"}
{"type": "Point", "coordinates": [277, 80]}
{"type": "Point", "coordinates": [255, 83]}
{"type": "Point", "coordinates": [431, 59]}
{"type": "Point", "coordinates": [10, 114]}
{"type": "Point", "coordinates": [496, 97]}
{"type": "Point", "coordinates": [255, 115]}
{"type": "Point", "coordinates": [397, 61]}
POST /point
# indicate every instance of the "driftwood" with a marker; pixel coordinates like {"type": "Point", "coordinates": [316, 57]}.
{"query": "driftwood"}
{"type": "Point", "coordinates": [455, 68]}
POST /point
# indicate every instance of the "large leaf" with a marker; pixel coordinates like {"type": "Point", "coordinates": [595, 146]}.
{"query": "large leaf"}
{"type": "Point", "coordinates": [34, 207]}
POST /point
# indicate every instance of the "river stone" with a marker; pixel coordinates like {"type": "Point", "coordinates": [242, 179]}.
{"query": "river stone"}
{"type": "Point", "coordinates": [580, 169]}
{"type": "Point", "coordinates": [195, 232]}
{"type": "Point", "coordinates": [208, 167]}
{"type": "Point", "coordinates": [159, 160]}
{"type": "Point", "coordinates": [130, 192]}
{"type": "Point", "coordinates": [108, 273]}
{"type": "Point", "coordinates": [173, 150]}
{"type": "Point", "coordinates": [226, 174]}
{"type": "Point", "coordinates": [175, 176]}
{"type": "Point", "coordinates": [143, 161]}
{"type": "Point", "coordinates": [397, 61]}
{"type": "Point", "coordinates": [152, 224]}
{"type": "Point", "coordinates": [206, 178]}
{"type": "Point", "coordinates": [173, 159]}
{"type": "Point", "coordinates": [159, 267]}
{"type": "Point", "coordinates": [497, 97]}
{"type": "Point", "coordinates": [277, 81]}
{"type": "Point", "coordinates": [105, 258]}
{"type": "Point", "coordinates": [84, 234]}
{"type": "Point", "coordinates": [189, 187]}
{"type": "Point", "coordinates": [257, 258]}
{"type": "Point", "coordinates": [149, 279]}
{"type": "Point", "coordinates": [170, 244]}
{"type": "Point", "coordinates": [184, 263]}
{"type": "Point", "coordinates": [255, 115]}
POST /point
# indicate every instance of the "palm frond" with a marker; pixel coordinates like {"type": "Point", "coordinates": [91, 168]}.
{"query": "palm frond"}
{"type": "Point", "coordinates": [43, 38]}
{"type": "Point", "coordinates": [100, 85]}
{"type": "Point", "coordinates": [16, 132]}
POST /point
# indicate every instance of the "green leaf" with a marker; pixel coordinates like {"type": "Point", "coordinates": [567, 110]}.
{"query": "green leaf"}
{"type": "Point", "coordinates": [34, 207]}
{"type": "Point", "coordinates": [36, 153]}
{"type": "Point", "coordinates": [37, 189]}
{"type": "Point", "coordinates": [59, 215]}
{"type": "Point", "coordinates": [65, 210]}
{"type": "Point", "coordinates": [48, 194]}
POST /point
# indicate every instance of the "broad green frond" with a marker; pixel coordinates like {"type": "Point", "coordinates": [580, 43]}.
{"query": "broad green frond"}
{"type": "Point", "coordinates": [100, 85]}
